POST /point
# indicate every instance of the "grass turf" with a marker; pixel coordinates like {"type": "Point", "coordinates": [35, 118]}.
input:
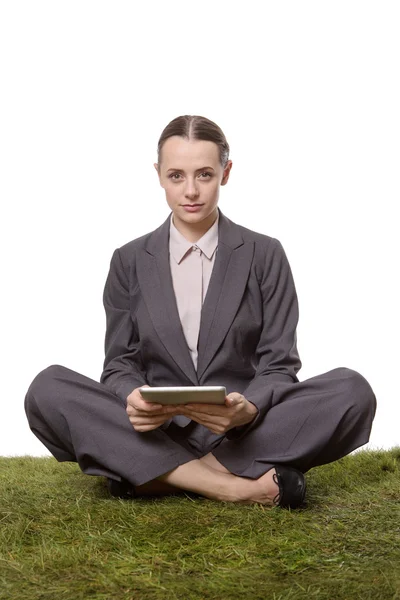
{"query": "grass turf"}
{"type": "Point", "coordinates": [62, 536]}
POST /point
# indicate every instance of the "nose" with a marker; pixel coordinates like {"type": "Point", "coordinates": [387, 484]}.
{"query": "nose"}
{"type": "Point", "coordinates": [191, 190]}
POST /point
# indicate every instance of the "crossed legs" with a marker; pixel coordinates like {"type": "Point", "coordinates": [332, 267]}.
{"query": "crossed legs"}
{"type": "Point", "coordinates": [208, 477]}
{"type": "Point", "coordinates": [312, 422]}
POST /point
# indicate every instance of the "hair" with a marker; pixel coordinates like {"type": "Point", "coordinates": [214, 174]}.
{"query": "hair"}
{"type": "Point", "coordinates": [194, 127]}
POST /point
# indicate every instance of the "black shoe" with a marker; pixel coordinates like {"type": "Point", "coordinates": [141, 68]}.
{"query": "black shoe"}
{"type": "Point", "coordinates": [121, 489]}
{"type": "Point", "coordinates": [292, 486]}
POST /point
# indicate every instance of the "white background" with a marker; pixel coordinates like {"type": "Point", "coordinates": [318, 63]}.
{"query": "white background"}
{"type": "Point", "coordinates": [308, 96]}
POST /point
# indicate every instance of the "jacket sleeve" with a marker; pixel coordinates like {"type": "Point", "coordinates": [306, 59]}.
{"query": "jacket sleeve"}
{"type": "Point", "coordinates": [278, 358]}
{"type": "Point", "coordinates": [123, 370]}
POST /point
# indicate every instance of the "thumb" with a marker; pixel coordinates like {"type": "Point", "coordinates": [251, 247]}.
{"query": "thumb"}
{"type": "Point", "coordinates": [233, 399]}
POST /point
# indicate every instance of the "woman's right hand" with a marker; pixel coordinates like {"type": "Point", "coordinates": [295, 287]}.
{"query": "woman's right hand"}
{"type": "Point", "coordinates": [145, 416]}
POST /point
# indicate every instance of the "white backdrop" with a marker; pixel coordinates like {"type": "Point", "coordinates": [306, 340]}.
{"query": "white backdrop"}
{"type": "Point", "coordinates": [308, 96]}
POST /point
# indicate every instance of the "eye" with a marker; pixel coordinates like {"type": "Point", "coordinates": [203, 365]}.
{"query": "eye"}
{"type": "Point", "coordinates": [172, 175]}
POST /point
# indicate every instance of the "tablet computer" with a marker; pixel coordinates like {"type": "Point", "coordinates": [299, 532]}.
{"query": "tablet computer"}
{"type": "Point", "coordinates": [206, 394]}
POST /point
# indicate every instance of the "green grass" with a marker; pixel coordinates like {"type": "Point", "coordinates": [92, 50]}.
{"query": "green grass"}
{"type": "Point", "coordinates": [63, 537]}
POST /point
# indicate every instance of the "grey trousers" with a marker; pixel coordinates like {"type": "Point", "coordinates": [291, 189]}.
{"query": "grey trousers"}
{"type": "Point", "coordinates": [312, 422]}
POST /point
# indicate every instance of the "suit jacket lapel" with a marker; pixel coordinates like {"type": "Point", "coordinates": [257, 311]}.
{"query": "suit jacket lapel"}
{"type": "Point", "coordinates": [227, 284]}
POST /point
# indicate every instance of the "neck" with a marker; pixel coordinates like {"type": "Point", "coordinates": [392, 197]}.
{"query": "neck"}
{"type": "Point", "coordinates": [194, 231]}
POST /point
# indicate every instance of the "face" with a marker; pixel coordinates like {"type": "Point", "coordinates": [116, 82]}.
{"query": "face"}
{"type": "Point", "coordinates": [191, 174]}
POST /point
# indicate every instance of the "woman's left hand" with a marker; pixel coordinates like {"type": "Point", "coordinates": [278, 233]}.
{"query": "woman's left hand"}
{"type": "Point", "coordinates": [221, 418]}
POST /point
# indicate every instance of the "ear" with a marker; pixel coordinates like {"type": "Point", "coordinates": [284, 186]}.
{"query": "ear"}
{"type": "Point", "coordinates": [158, 173]}
{"type": "Point", "coordinates": [227, 171]}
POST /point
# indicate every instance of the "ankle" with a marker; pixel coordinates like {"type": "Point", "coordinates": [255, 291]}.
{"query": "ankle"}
{"type": "Point", "coordinates": [260, 491]}
{"type": "Point", "coordinates": [269, 489]}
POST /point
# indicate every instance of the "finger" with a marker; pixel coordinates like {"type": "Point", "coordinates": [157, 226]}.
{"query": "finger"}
{"type": "Point", "coordinates": [138, 403]}
{"type": "Point", "coordinates": [211, 426]}
{"type": "Point", "coordinates": [208, 409]}
{"type": "Point", "coordinates": [199, 418]}
{"type": "Point", "coordinates": [210, 420]}
{"type": "Point", "coordinates": [134, 413]}
{"type": "Point", "coordinates": [142, 404]}
{"type": "Point", "coordinates": [226, 415]}
{"type": "Point", "coordinates": [143, 428]}
{"type": "Point", "coordinates": [145, 418]}
{"type": "Point", "coordinates": [139, 422]}
{"type": "Point", "coordinates": [152, 408]}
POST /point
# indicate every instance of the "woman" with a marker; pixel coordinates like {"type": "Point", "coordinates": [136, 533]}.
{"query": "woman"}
{"type": "Point", "coordinates": [201, 300]}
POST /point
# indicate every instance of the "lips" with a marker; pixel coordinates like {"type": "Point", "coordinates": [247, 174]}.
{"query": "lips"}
{"type": "Point", "coordinates": [192, 205]}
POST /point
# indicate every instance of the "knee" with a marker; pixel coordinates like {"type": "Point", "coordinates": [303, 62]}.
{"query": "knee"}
{"type": "Point", "coordinates": [359, 391]}
{"type": "Point", "coordinates": [43, 379]}
{"type": "Point", "coordinates": [40, 389]}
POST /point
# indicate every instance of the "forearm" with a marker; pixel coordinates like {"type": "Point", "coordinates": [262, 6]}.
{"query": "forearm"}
{"type": "Point", "coordinates": [260, 389]}
{"type": "Point", "coordinates": [260, 394]}
{"type": "Point", "coordinates": [122, 377]}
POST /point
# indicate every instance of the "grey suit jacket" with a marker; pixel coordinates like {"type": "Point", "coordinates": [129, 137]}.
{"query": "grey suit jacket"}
{"type": "Point", "coordinates": [247, 339]}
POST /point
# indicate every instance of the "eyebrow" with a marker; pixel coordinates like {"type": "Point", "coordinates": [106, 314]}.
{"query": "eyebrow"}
{"type": "Point", "coordinates": [181, 170]}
